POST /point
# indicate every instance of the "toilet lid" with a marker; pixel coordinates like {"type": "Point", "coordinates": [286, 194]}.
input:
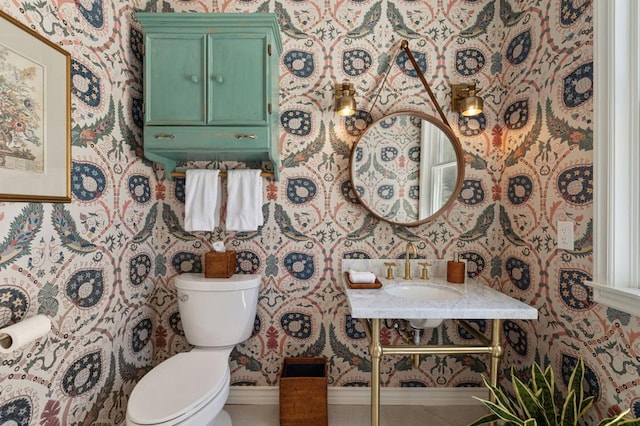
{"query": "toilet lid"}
{"type": "Point", "coordinates": [178, 386]}
{"type": "Point", "coordinates": [198, 282]}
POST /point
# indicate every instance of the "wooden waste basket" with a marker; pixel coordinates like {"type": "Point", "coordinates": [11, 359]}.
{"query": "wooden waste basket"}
{"type": "Point", "coordinates": [303, 392]}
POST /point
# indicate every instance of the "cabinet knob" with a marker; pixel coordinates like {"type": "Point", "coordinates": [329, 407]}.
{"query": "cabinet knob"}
{"type": "Point", "coordinates": [218, 78]}
{"type": "Point", "coordinates": [195, 78]}
{"type": "Point", "coordinates": [164, 136]}
{"type": "Point", "coordinates": [244, 136]}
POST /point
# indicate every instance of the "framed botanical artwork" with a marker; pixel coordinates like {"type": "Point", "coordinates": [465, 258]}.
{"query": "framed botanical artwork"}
{"type": "Point", "coordinates": [35, 116]}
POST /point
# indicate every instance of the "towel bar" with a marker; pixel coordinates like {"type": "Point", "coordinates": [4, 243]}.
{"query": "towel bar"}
{"type": "Point", "coordinates": [222, 174]}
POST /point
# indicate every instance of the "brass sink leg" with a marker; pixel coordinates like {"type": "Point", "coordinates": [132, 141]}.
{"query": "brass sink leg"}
{"type": "Point", "coordinates": [496, 352]}
{"type": "Point", "coordinates": [375, 350]}
{"type": "Point", "coordinates": [490, 347]}
{"type": "Point", "coordinates": [416, 360]}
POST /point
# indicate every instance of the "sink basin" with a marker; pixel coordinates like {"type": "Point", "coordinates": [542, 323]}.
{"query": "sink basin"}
{"type": "Point", "coordinates": [423, 292]}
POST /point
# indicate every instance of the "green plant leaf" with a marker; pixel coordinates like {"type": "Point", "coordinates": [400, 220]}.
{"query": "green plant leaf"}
{"type": "Point", "coordinates": [538, 378]}
{"type": "Point", "coordinates": [543, 382]}
{"type": "Point", "coordinates": [569, 410]}
{"type": "Point", "coordinates": [548, 375]}
{"type": "Point", "coordinates": [527, 399]}
{"type": "Point", "coordinates": [575, 382]}
{"type": "Point", "coordinates": [620, 420]}
{"type": "Point", "coordinates": [586, 404]}
{"type": "Point", "coordinates": [501, 397]}
{"type": "Point", "coordinates": [504, 414]}
{"type": "Point", "coordinates": [530, 422]}
{"type": "Point", "coordinates": [614, 421]}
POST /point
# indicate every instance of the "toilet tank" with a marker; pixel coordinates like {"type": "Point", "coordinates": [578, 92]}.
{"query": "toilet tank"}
{"type": "Point", "coordinates": [217, 312]}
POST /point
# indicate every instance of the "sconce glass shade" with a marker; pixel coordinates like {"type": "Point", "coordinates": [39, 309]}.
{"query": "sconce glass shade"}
{"type": "Point", "coordinates": [345, 102]}
{"type": "Point", "coordinates": [346, 106]}
{"type": "Point", "coordinates": [471, 105]}
{"type": "Point", "coordinates": [465, 100]}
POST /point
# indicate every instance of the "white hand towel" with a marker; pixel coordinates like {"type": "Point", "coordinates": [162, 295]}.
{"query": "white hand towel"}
{"type": "Point", "coordinates": [202, 200]}
{"type": "Point", "coordinates": [244, 200]}
{"type": "Point", "coordinates": [362, 277]}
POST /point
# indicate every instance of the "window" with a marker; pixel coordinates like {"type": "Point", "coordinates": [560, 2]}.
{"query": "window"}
{"type": "Point", "coordinates": [616, 155]}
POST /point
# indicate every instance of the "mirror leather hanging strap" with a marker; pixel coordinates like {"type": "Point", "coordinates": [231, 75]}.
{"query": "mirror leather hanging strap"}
{"type": "Point", "coordinates": [404, 46]}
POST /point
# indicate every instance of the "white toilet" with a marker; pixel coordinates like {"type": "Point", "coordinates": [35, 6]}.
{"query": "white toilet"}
{"type": "Point", "coordinates": [191, 388]}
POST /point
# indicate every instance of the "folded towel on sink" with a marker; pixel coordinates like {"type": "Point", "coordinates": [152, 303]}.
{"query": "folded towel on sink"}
{"type": "Point", "coordinates": [362, 277]}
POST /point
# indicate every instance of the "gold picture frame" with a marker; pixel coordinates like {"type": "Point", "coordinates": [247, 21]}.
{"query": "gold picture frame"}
{"type": "Point", "coordinates": [35, 116]}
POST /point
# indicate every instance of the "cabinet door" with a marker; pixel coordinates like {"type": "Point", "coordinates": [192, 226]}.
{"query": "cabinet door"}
{"type": "Point", "coordinates": [238, 79]}
{"type": "Point", "coordinates": [175, 79]}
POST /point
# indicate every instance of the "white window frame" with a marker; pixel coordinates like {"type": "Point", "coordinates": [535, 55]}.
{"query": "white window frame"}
{"type": "Point", "coordinates": [616, 155]}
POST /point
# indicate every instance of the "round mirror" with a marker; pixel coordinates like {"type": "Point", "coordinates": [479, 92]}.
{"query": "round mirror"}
{"type": "Point", "coordinates": [406, 168]}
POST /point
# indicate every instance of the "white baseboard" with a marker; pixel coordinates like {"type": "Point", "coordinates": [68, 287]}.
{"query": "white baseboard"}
{"type": "Point", "coordinates": [268, 395]}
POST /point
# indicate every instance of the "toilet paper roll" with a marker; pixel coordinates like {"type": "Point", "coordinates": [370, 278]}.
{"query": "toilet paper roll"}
{"type": "Point", "coordinates": [20, 334]}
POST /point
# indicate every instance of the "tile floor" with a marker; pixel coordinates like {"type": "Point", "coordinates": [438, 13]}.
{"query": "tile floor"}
{"type": "Point", "coordinates": [358, 415]}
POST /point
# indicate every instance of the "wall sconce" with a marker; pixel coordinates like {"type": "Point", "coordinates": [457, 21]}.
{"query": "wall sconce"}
{"type": "Point", "coordinates": [465, 100]}
{"type": "Point", "coordinates": [345, 102]}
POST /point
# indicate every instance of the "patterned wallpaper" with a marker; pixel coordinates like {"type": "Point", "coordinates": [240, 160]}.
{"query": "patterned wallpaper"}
{"type": "Point", "coordinates": [102, 266]}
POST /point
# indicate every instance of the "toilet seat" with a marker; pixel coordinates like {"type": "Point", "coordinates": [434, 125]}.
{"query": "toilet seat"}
{"type": "Point", "coordinates": [178, 387]}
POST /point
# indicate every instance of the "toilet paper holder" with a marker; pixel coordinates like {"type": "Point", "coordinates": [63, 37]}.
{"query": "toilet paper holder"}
{"type": "Point", "coordinates": [5, 340]}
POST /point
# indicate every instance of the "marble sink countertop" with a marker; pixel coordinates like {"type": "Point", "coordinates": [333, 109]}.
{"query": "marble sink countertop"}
{"type": "Point", "coordinates": [476, 300]}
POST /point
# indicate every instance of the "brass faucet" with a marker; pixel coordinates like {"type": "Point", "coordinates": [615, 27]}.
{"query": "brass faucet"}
{"type": "Point", "coordinates": [407, 260]}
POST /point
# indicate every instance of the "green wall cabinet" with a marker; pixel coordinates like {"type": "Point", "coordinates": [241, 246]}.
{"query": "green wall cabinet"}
{"type": "Point", "coordinates": [211, 87]}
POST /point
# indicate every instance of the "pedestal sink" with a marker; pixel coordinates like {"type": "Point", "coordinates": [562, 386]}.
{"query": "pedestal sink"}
{"type": "Point", "coordinates": [423, 292]}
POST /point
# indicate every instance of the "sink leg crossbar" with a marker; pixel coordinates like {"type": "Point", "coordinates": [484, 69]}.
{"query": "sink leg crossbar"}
{"type": "Point", "coordinates": [492, 347]}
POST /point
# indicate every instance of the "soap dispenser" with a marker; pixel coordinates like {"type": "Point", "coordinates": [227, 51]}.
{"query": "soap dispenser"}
{"type": "Point", "coordinates": [455, 270]}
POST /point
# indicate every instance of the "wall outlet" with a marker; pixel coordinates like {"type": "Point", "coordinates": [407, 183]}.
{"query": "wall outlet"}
{"type": "Point", "coordinates": [565, 235]}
